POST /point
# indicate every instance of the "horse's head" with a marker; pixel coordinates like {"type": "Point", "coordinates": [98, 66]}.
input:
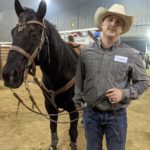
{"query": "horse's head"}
{"type": "Point", "coordinates": [27, 40]}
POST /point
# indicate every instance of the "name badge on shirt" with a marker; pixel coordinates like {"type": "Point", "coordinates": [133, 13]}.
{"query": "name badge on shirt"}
{"type": "Point", "coordinates": [121, 59]}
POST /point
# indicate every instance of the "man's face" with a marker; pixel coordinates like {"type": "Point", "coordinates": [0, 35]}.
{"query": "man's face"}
{"type": "Point", "coordinates": [112, 26]}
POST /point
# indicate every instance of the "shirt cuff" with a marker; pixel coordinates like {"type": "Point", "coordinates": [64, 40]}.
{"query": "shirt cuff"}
{"type": "Point", "coordinates": [126, 95]}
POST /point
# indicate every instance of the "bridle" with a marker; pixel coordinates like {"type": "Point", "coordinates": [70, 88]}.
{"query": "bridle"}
{"type": "Point", "coordinates": [30, 57]}
{"type": "Point", "coordinates": [35, 53]}
{"type": "Point", "coordinates": [30, 68]}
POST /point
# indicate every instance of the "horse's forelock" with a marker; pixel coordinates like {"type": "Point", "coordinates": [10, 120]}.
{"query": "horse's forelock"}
{"type": "Point", "coordinates": [27, 14]}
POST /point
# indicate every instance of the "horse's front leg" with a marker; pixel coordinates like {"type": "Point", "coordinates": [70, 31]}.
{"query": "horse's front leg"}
{"type": "Point", "coordinates": [73, 131]}
{"type": "Point", "coordinates": [53, 125]}
{"type": "Point", "coordinates": [54, 136]}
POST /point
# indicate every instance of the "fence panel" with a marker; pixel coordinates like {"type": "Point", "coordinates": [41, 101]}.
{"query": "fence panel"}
{"type": "Point", "coordinates": [4, 49]}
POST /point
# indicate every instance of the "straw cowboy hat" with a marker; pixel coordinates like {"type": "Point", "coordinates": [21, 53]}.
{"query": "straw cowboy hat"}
{"type": "Point", "coordinates": [117, 10]}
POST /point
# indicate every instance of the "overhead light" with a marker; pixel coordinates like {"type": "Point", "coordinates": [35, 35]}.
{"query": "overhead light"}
{"type": "Point", "coordinates": [148, 35]}
{"type": "Point", "coordinates": [47, 1]}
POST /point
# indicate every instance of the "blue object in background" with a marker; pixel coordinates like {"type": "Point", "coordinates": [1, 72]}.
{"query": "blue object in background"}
{"type": "Point", "coordinates": [96, 34]}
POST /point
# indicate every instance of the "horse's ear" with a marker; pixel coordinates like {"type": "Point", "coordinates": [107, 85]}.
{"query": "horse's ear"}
{"type": "Point", "coordinates": [41, 10]}
{"type": "Point", "coordinates": [18, 7]}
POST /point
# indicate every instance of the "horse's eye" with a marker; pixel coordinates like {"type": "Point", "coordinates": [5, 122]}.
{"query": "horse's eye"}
{"type": "Point", "coordinates": [33, 34]}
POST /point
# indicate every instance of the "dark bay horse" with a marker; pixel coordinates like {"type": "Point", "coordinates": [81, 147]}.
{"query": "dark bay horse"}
{"type": "Point", "coordinates": [35, 41]}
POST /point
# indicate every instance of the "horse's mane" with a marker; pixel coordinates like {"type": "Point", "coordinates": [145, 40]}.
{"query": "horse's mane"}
{"type": "Point", "coordinates": [66, 56]}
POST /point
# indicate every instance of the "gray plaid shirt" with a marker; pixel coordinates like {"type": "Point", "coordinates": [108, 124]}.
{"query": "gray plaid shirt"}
{"type": "Point", "coordinates": [101, 69]}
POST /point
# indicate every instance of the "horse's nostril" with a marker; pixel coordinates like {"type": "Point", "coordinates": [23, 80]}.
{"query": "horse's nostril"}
{"type": "Point", "coordinates": [9, 76]}
{"type": "Point", "coordinates": [13, 74]}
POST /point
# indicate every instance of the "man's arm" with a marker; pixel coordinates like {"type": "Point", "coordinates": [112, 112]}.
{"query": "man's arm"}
{"type": "Point", "coordinates": [140, 80]}
{"type": "Point", "coordinates": [78, 98]}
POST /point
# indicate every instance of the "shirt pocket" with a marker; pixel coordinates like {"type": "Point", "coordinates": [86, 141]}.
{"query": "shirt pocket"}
{"type": "Point", "coordinates": [90, 76]}
{"type": "Point", "coordinates": [118, 72]}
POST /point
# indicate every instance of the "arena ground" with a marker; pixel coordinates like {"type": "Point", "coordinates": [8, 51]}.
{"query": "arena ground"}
{"type": "Point", "coordinates": [28, 131]}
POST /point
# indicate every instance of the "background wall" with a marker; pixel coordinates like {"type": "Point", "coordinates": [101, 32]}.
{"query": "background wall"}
{"type": "Point", "coordinates": [71, 15]}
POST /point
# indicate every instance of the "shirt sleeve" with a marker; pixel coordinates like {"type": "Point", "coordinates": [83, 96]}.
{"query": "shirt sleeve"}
{"type": "Point", "coordinates": [139, 80]}
{"type": "Point", "coordinates": [80, 73]}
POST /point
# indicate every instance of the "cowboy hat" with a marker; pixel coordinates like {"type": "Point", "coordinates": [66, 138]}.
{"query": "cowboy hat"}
{"type": "Point", "coordinates": [117, 10]}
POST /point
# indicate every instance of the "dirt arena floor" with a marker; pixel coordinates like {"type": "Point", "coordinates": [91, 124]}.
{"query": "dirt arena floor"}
{"type": "Point", "coordinates": [28, 131]}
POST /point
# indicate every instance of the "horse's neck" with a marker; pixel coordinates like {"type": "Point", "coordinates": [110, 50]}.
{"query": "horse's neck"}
{"type": "Point", "coordinates": [52, 78]}
{"type": "Point", "coordinates": [57, 60]}
{"type": "Point", "coordinates": [50, 70]}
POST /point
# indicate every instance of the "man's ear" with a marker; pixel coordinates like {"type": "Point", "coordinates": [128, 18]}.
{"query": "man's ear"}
{"type": "Point", "coordinates": [101, 24]}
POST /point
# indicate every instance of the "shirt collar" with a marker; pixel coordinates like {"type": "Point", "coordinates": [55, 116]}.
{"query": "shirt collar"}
{"type": "Point", "coordinates": [115, 45]}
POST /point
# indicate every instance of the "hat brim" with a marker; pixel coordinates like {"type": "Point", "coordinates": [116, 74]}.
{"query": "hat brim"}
{"type": "Point", "coordinates": [102, 13]}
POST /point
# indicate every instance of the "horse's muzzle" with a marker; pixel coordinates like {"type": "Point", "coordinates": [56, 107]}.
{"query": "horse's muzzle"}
{"type": "Point", "coordinates": [11, 77]}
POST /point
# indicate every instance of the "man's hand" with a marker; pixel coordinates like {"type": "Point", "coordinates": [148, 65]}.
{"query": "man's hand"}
{"type": "Point", "coordinates": [114, 95]}
{"type": "Point", "coordinates": [79, 106]}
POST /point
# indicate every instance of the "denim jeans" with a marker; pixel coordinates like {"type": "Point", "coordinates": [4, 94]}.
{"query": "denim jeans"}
{"type": "Point", "coordinates": [112, 124]}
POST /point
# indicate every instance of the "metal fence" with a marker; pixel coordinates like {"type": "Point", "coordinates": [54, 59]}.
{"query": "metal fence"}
{"type": "Point", "coordinates": [4, 49]}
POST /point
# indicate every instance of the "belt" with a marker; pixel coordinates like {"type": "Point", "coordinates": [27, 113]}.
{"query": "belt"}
{"type": "Point", "coordinates": [109, 111]}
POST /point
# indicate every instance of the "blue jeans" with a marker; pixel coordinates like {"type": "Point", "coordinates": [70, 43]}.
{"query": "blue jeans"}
{"type": "Point", "coordinates": [109, 123]}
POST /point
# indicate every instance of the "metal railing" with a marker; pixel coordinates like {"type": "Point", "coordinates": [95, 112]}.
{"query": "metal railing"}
{"type": "Point", "coordinates": [4, 49]}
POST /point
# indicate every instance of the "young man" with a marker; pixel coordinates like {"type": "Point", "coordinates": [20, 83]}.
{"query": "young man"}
{"type": "Point", "coordinates": [109, 76]}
